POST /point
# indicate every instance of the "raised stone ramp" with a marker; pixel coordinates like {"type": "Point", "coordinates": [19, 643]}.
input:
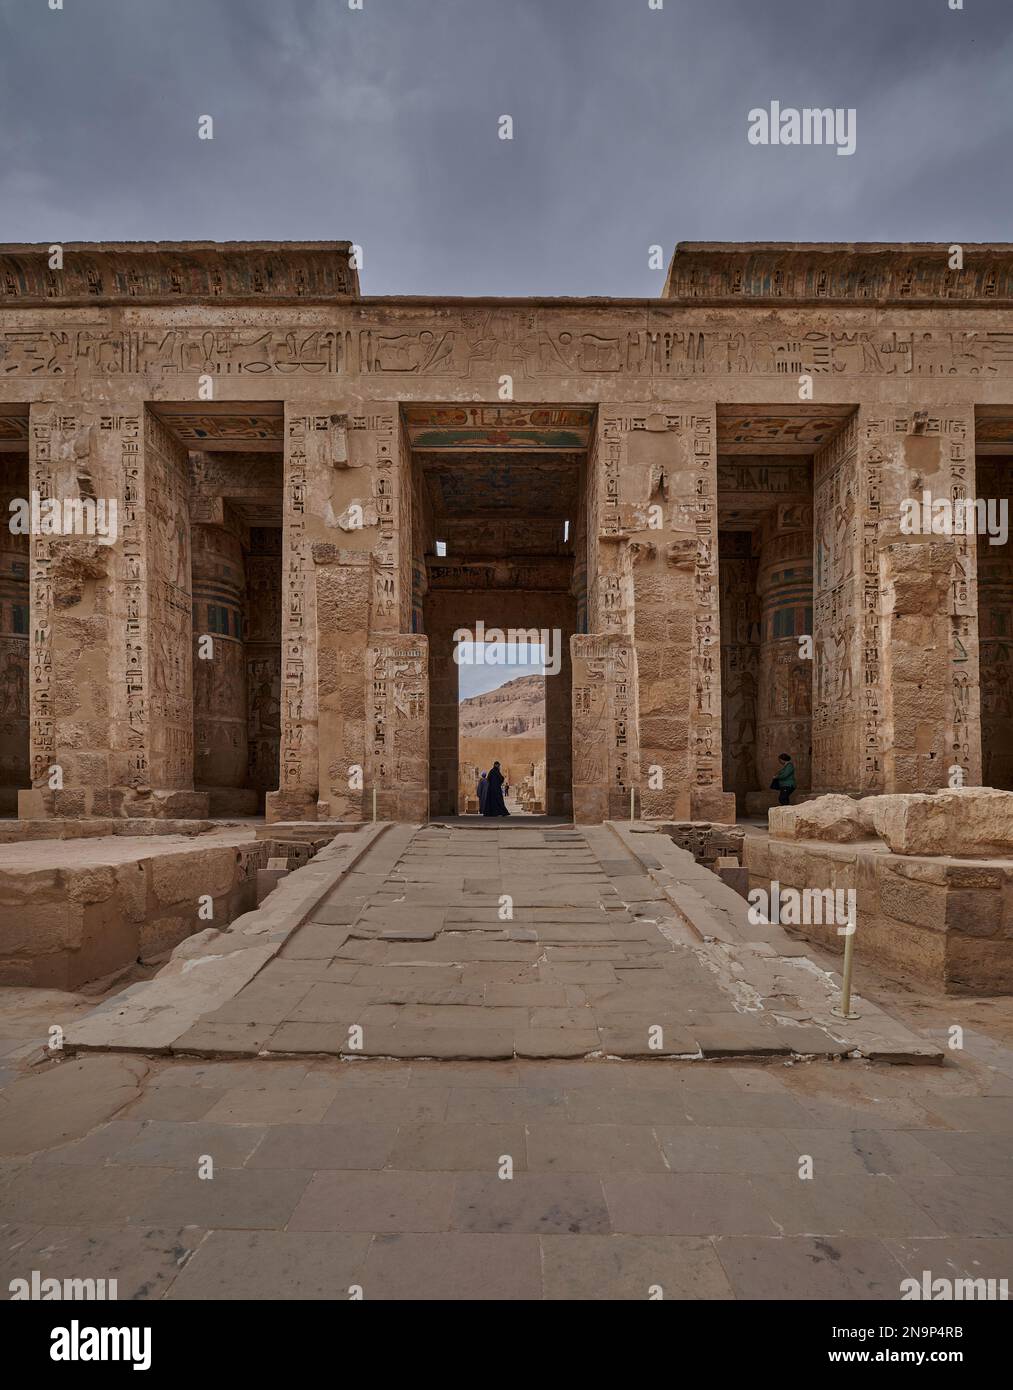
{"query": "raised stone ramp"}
{"type": "Point", "coordinates": [497, 941]}
{"type": "Point", "coordinates": [211, 968]}
{"type": "Point", "coordinates": [774, 967]}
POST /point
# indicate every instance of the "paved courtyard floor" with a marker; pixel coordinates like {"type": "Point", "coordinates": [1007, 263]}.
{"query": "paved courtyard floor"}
{"type": "Point", "coordinates": [585, 1175]}
{"type": "Point", "coordinates": [507, 1180]}
{"type": "Point", "coordinates": [512, 939]}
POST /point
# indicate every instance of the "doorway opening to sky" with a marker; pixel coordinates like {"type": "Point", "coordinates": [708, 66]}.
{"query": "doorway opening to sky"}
{"type": "Point", "coordinates": [499, 496]}
{"type": "Point", "coordinates": [501, 719]}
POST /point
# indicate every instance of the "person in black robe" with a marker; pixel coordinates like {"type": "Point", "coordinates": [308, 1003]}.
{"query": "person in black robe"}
{"type": "Point", "coordinates": [481, 788]}
{"type": "Point", "coordinates": [494, 803]}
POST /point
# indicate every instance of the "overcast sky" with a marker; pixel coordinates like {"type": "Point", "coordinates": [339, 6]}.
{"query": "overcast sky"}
{"type": "Point", "coordinates": [381, 126]}
{"type": "Point", "coordinates": [478, 677]}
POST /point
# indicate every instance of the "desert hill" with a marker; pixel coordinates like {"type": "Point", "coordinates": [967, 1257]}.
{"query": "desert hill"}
{"type": "Point", "coordinates": [513, 710]}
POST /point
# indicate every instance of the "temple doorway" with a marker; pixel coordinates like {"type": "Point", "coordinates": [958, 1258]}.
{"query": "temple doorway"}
{"type": "Point", "coordinates": [499, 552]}
{"type": "Point", "coordinates": [15, 754]}
{"type": "Point", "coordinates": [775, 560]}
{"type": "Point", "coordinates": [994, 484]}
{"type": "Point", "coordinates": [236, 467]}
{"type": "Point", "coordinates": [501, 720]}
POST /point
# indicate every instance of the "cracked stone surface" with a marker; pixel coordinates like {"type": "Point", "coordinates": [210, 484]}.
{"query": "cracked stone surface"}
{"type": "Point", "coordinates": [496, 942]}
{"type": "Point", "coordinates": [625, 1175]}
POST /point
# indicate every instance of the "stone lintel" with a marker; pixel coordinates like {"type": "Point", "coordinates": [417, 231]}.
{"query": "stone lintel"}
{"type": "Point", "coordinates": [879, 273]}
{"type": "Point", "coordinates": [168, 272]}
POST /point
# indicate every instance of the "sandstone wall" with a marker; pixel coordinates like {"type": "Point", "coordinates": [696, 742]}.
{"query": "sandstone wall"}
{"type": "Point", "coordinates": [64, 922]}
{"type": "Point", "coordinates": [948, 922]}
{"type": "Point", "coordinates": [96, 358]}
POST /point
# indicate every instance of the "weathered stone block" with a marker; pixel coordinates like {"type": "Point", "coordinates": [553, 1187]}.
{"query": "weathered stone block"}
{"type": "Point", "coordinates": [907, 900]}
{"type": "Point", "coordinates": [834, 817]}
{"type": "Point", "coordinates": [975, 821]}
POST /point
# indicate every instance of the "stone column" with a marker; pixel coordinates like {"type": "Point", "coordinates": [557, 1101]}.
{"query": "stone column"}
{"type": "Point", "coordinates": [896, 681]}
{"type": "Point", "coordinates": [442, 617]}
{"type": "Point", "coordinates": [605, 752]}
{"type": "Point", "coordinates": [846, 685]}
{"type": "Point", "coordinates": [347, 585]}
{"type": "Point", "coordinates": [263, 657]}
{"type": "Point", "coordinates": [653, 575]}
{"type": "Point", "coordinates": [931, 721]}
{"type": "Point", "coordinates": [111, 671]}
{"type": "Point", "coordinates": [221, 751]}
{"type": "Point", "coordinates": [15, 771]}
{"type": "Point", "coordinates": [558, 791]}
{"type": "Point", "coordinates": [740, 652]}
{"type": "Point", "coordinates": [308, 462]}
{"type": "Point", "coordinates": [398, 738]}
{"type": "Point", "coordinates": [784, 701]}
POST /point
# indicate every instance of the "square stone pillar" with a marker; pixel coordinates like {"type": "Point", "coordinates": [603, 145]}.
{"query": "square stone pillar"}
{"type": "Point", "coordinates": [931, 712]}
{"type": "Point", "coordinates": [605, 758]}
{"type": "Point", "coordinates": [346, 576]}
{"type": "Point", "coordinates": [652, 574]}
{"type": "Point", "coordinates": [111, 681]}
{"type": "Point", "coordinates": [896, 646]}
{"type": "Point", "coordinates": [398, 738]}
{"type": "Point", "coordinates": [308, 463]}
{"type": "Point", "coordinates": [847, 704]}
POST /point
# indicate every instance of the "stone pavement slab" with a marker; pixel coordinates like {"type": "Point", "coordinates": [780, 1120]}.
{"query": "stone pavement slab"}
{"type": "Point", "coordinates": [653, 995]}
{"type": "Point", "coordinates": [625, 1177]}
{"type": "Point", "coordinates": [398, 941]}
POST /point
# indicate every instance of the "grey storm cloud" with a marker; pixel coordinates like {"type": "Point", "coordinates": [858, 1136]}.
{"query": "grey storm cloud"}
{"type": "Point", "coordinates": [380, 125]}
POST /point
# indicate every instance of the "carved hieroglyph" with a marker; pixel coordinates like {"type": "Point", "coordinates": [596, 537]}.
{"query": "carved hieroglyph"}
{"type": "Point", "coordinates": [306, 461]}
{"type": "Point", "coordinates": [605, 753]}
{"type": "Point", "coordinates": [111, 677]}
{"type": "Point", "coordinates": [483, 343]}
{"type": "Point", "coordinates": [398, 734]}
{"type": "Point", "coordinates": [927, 672]}
{"type": "Point", "coordinates": [846, 627]}
{"type": "Point", "coordinates": [655, 578]}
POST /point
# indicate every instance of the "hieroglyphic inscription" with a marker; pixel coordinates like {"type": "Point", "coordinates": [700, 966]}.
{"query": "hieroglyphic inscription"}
{"type": "Point", "coordinates": [706, 674]}
{"type": "Point", "coordinates": [844, 539]}
{"type": "Point", "coordinates": [398, 704]}
{"type": "Point", "coordinates": [387, 499]}
{"type": "Point", "coordinates": [606, 761]}
{"type": "Point", "coordinates": [482, 344]}
{"type": "Point", "coordinates": [43, 728]}
{"type": "Point", "coordinates": [134, 578]}
{"type": "Point", "coordinates": [295, 695]}
{"type": "Point", "coordinates": [165, 353]}
{"type": "Point", "coordinates": [958, 442]}
{"type": "Point", "coordinates": [169, 604]}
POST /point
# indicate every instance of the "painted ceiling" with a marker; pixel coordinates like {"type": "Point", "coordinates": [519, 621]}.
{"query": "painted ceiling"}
{"type": "Point", "coordinates": [470, 427]}
{"type": "Point", "coordinates": [778, 429]}
{"type": "Point", "coordinates": [502, 485]}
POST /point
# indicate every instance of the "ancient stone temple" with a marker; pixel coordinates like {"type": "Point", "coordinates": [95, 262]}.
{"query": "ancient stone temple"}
{"type": "Point", "coordinates": [263, 506]}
